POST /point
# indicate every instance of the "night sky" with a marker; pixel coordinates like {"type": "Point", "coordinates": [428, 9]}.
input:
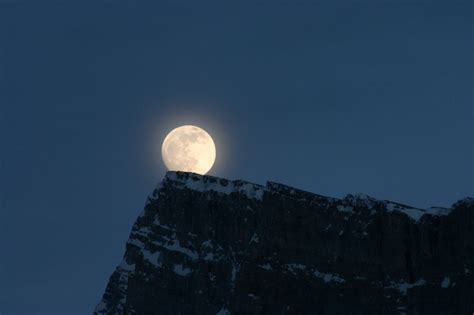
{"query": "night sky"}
{"type": "Point", "coordinates": [359, 96]}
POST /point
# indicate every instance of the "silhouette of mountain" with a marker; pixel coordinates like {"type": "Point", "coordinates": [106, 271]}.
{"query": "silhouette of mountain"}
{"type": "Point", "coordinates": [206, 245]}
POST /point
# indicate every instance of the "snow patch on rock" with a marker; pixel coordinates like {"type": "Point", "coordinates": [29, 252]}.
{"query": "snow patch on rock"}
{"type": "Point", "coordinates": [328, 277]}
{"type": "Point", "coordinates": [404, 286]}
{"type": "Point", "coordinates": [468, 201]}
{"type": "Point", "coordinates": [175, 246]}
{"type": "Point", "coordinates": [254, 238]}
{"type": "Point", "coordinates": [207, 244]}
{"type": "Point", "coordinates": [294, 268]}
{"type": "Point", "coordinates": [266, 266]}
{"type": "Point", "coordinates": [136, 242]}
{"type": "Point", "coordinates": [203, 183]}
{"type": "Point", "coordinates": [253, 296]}
{"type": "Point", "coordinates": [152, 258]}
{"type": "Point", "coordinates": [360, 200]}
{"type": "Point", "coordinates": [180, 270]}
{"type": "Point", "coordinates": [163, 226]}
{"type": "Point", "coordinates": [411, 212]}
{"type": "Point", "coordinates": [446, 282]}
{"type": "Point", "coordinates": [342, 208]}
{"type": "Point", "coordinates": [438, 211]}
{"type": "Point", "coordinates": [209, 257]}
{"type": "Point", "coordinates": [223, 311]}
{"type": "Point", "coordinates": [126, 266]}
{"type": "Point", "coordinates": [415, 213]}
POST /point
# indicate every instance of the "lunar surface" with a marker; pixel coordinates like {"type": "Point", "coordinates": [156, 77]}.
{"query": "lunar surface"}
{"type": "Point", "coordinates": [188, 149]}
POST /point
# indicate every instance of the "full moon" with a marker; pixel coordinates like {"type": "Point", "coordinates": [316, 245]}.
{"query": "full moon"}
{"type": "Point", "coordinates": [188, 149]}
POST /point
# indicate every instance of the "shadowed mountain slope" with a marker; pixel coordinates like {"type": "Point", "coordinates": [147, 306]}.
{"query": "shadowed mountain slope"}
{"type": "Point", "coordinates": [206, 245]}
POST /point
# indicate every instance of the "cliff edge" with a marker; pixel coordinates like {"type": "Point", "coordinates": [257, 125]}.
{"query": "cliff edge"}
{"type": "Point", "coordinates": [206, 245]}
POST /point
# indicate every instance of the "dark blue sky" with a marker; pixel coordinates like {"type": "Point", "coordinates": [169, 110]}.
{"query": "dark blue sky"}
{"type": "Point", "coordinates": [359, 96]}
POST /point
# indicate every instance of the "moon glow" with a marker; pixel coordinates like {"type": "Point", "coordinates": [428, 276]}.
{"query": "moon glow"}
{"type": "Point", "coordinates": [188, 149]}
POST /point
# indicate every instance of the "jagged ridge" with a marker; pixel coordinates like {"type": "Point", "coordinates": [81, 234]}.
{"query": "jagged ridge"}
{"type": "Point", "coordinates": [206, 245]}
{"type": "Point", "coordinates": [204, 183]}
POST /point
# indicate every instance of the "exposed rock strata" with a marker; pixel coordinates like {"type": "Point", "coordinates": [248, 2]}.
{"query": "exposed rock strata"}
{"type": "Point", "coordinates": [205, 245]}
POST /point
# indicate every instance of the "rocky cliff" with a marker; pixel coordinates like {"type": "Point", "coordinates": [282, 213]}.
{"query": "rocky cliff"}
{"type": "Point", "coordinates": [205, 245]}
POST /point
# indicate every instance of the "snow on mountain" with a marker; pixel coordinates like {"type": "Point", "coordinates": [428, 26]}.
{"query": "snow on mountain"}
{"type": "Point", "coordinates": [207, 245]}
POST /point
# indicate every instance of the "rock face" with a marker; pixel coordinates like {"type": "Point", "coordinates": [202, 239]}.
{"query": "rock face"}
{"type": "Point", "coordinates": [205, 245]}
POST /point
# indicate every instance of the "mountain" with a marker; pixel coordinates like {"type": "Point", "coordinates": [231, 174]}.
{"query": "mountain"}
{"type": "Point", "coordinates": [206, 245]}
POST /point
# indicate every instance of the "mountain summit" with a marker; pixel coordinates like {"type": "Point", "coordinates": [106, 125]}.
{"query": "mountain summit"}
{"type": "Point", "coordinates": [206, 245]}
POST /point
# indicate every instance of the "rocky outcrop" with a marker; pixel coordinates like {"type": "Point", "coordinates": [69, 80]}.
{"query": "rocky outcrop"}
{"type": "Point", "coordinates": [205, 245]}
